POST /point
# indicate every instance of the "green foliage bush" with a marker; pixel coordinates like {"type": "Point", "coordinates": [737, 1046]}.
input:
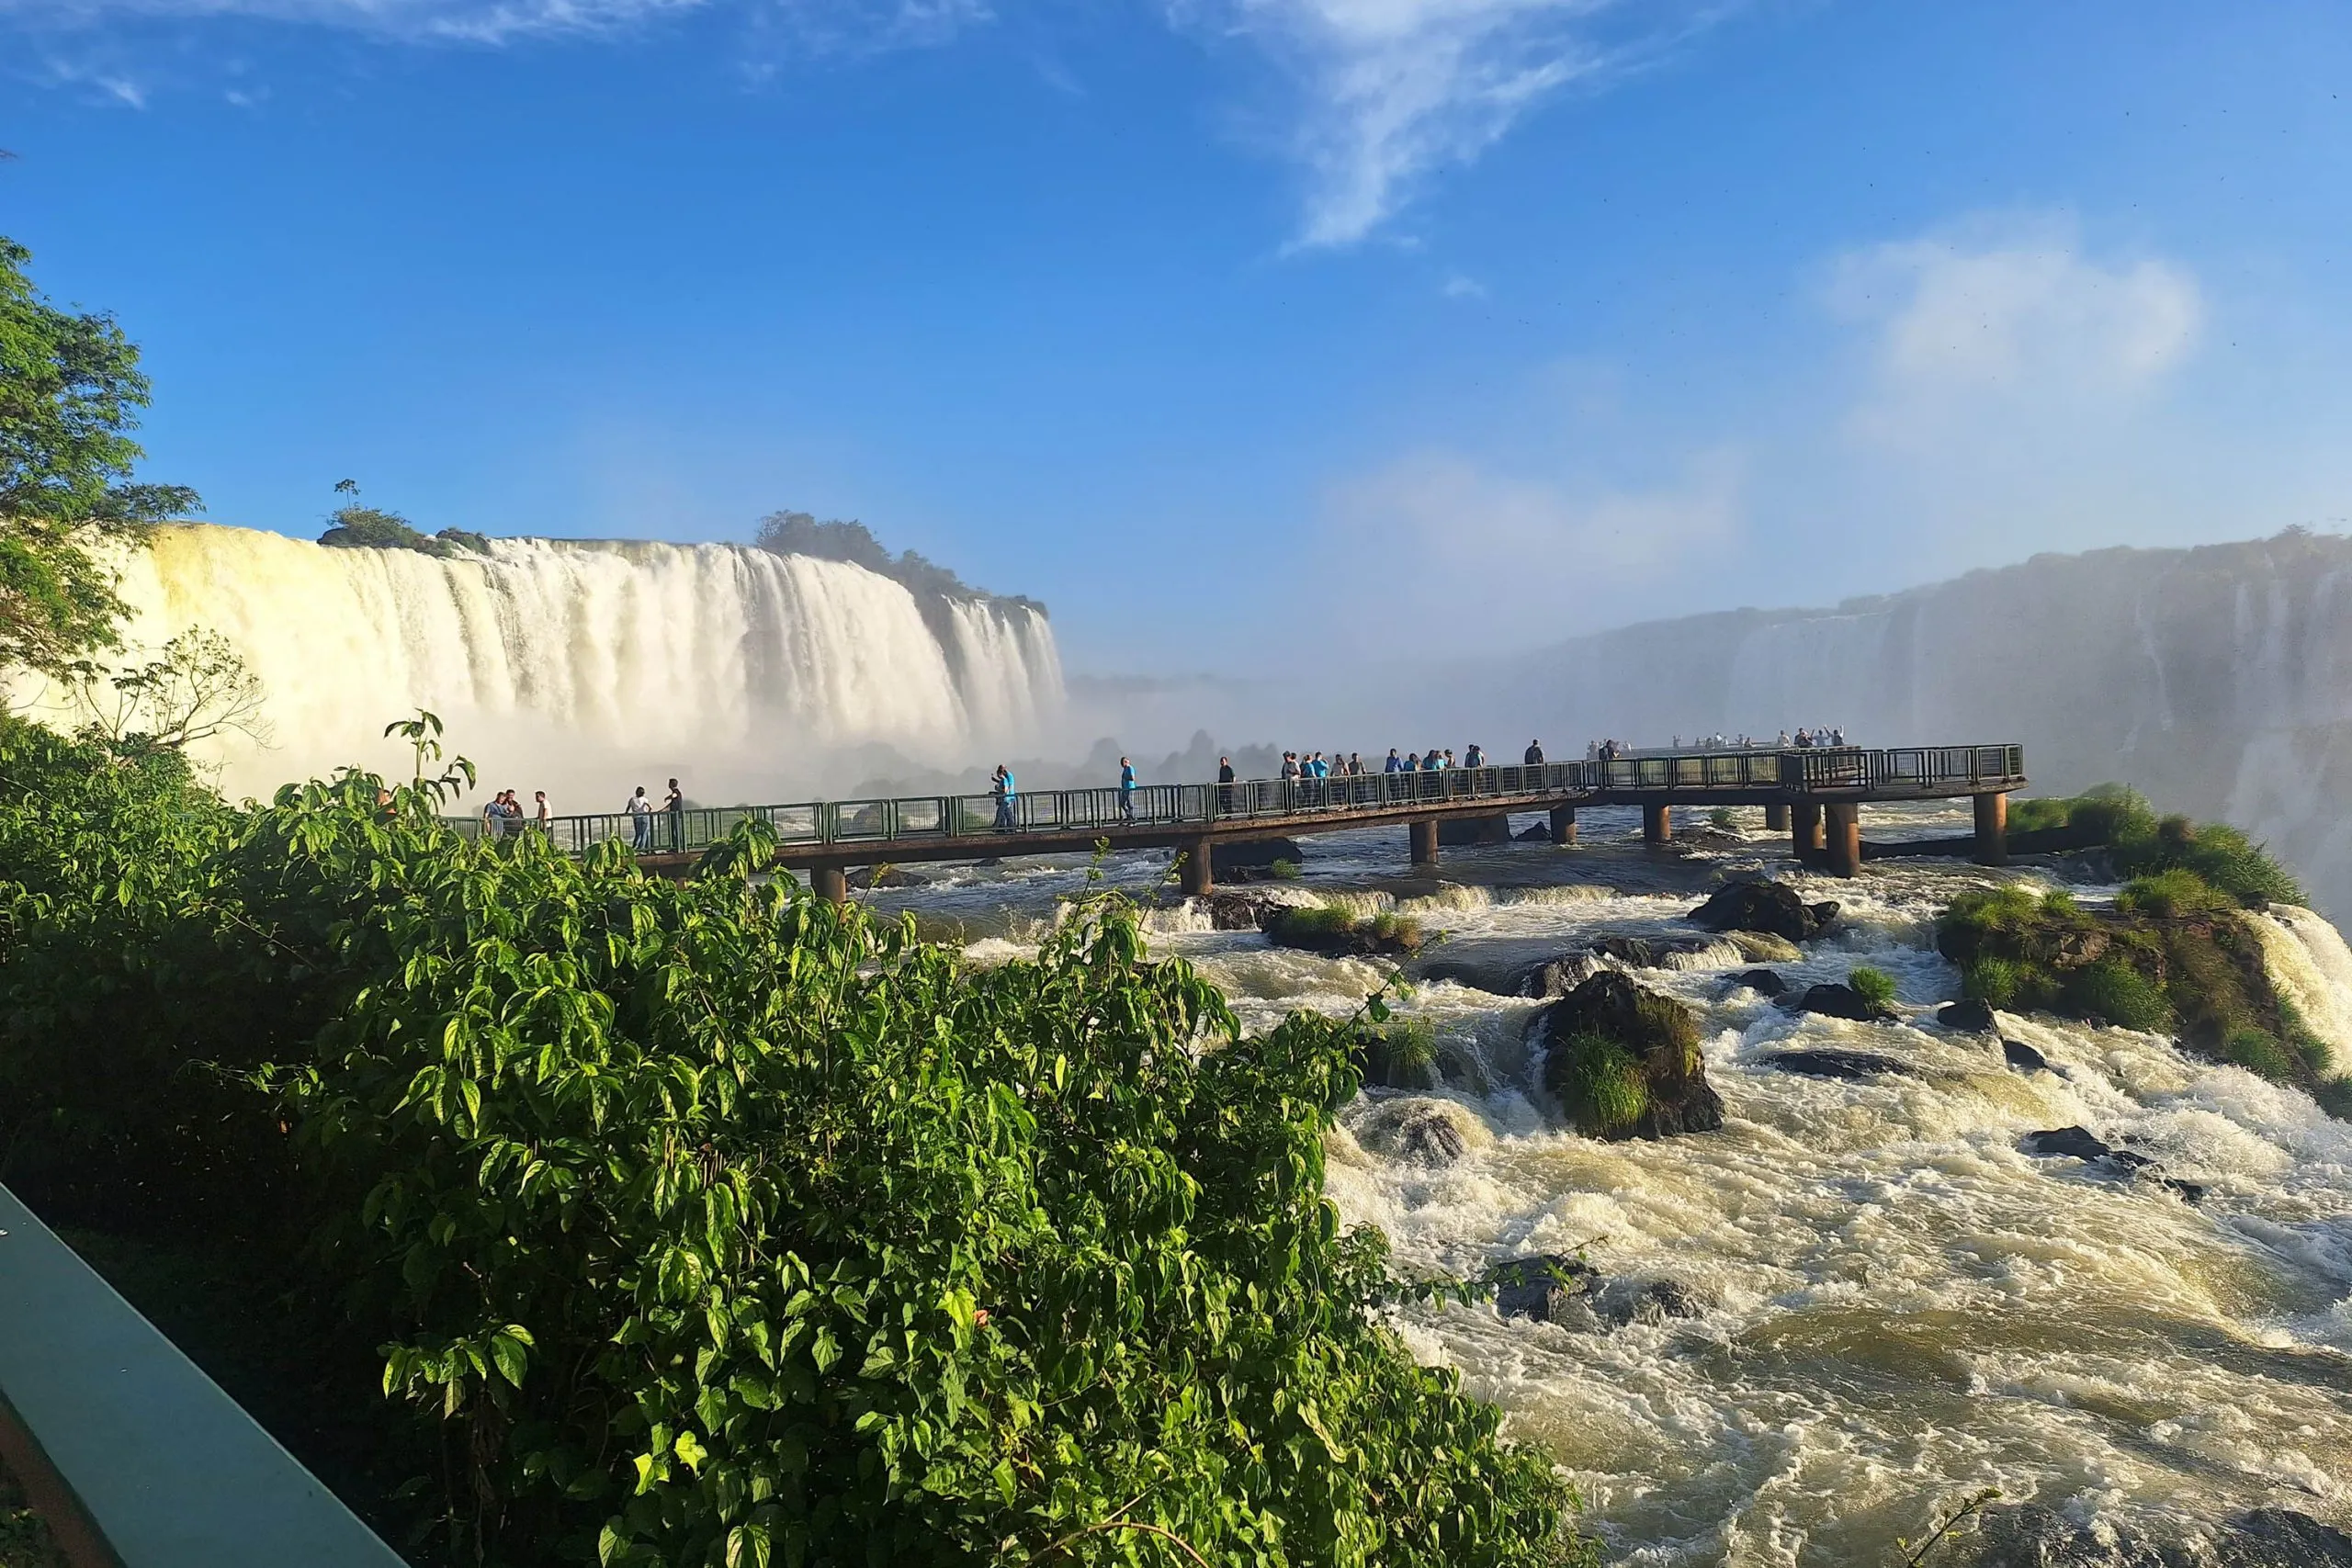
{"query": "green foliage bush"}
{"type": "Point", "coordinates": [1287, 870]}
{"type": "Point", "coordinates": [2111, 991]}
{"type": "Point", "coordinates": [702, 1223]}
{"type": "Point", "coordinates": [1721, 816]}
{"type": "Point", "coordinates": [358, 527]}
{"type": "Point", "coordinates": [2172, 894]}
{"type": "Point", "coordinates": [1875, 987]}
{"type": "Point", "coordinates": [1601, 1084]}
{"type": "Point", "coordinates": [2145, 845]}
{"type": "Point", "coordinates": [1402, 1054]}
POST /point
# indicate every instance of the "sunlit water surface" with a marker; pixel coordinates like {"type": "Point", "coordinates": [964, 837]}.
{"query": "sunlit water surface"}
{"type": "Point", "coordinates": [1901, 1306]}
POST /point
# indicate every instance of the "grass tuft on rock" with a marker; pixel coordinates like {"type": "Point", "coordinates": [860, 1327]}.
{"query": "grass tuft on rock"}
{"type": "Point", "coordinates": [2145, 845]}
{"type": "Point", "coordinates": [1601, 1084]}
{"type": "Point", "coordinates": [1875, 987]}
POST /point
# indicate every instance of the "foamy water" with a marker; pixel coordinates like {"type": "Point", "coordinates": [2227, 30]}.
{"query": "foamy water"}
{"type": "Point", "coordinates": [1901, 1305]}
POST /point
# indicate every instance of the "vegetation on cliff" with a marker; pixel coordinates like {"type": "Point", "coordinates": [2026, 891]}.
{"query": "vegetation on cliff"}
{"type": "Point", "coordinates": [2141, 844]}
{"type": "Point", "coordinates": [800, 534]}
{"type": "Point", "coordinates": [352, 526]}
{"type": "Point", "coordinates": [1625, 1061]}
{"type": "Point", "coordinates": [2175, 954]}
{"type": "Point", "coordinates": [702, 1223]}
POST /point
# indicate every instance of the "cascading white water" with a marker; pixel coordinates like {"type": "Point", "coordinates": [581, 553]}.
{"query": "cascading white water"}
{"type": "Point", "coordinates": [588, 667]}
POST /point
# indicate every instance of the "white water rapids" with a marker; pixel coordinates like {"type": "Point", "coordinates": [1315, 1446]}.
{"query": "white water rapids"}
{"type": "Point", "coordinates": [1901, 1306]}
{"type": "Point", "coordinates": [587, 668]}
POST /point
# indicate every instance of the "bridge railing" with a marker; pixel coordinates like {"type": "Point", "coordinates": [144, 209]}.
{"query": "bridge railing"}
{"type": "Point", "coordinates": [931, 818]}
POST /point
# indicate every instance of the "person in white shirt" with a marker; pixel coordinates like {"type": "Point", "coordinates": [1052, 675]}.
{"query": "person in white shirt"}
{"type": "Point", "coordinates": [640, 821]}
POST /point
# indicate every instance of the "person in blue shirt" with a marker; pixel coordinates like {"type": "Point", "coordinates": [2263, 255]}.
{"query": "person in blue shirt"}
{"type": "Point", "coordinates": [1126, 789]}
{"type": "Point", "coordinates": [1001, 785]}
{"type": "Point", "coordinates": [1395, 763]}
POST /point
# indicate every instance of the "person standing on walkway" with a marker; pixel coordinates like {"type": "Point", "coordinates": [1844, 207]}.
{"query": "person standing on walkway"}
{"type": "Point", "coordinates": [676, 807]}
{"type": "Point", "coordinates": [640, 822]}
{"type": "Point", "coordinates": [1001, 785]}
{"type": "Point", "coordinates": [1224, 783]}
{"type": "Point", "coordinates": [1534, 758]}
{"type": "Point", "coordinates": [545, 817]}
{"type": "Point", "coordinates": [1127, 790]}
{"type": "Point", "coordinates": [1396, 764]}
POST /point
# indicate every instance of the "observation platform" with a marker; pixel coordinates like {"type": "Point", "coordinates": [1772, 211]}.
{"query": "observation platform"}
{"type": "Point", "coordinates": [1816, 793]}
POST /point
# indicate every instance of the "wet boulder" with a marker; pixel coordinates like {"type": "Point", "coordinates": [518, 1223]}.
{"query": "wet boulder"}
{"type": "Point", "coordinates": [1252, 860]}
{"type": "Point", "coordinates": [1558, 976]}
{"type": "Point", "coordinates": [1967, 1017]}
{"type": "Point", "coordinates": [1626, 1062]}
{"type": "Point", "coordinates": [1623, 1301]}
{"type": "Point", "coordinates": [1647, 952]}
{"type": "Point", "coordinates": [1430, 1138]}
{"type": "Point", "coordinates": [2028, 1535]}
{"type": "Point", "coordinates": [1763, 982]}
{"type": "Point", "coordinates": [1772, 907]}
{"type": "Point", "coordinates": [1546, 1287]}
{"type": "Point", "coordinates": [1849, 1064]}
{"type": "Point", "coordinates": [2079, 1142]}
{"type": "Point", "coordinates": [1536, 835]}
{"type": "Point", "coordinates": [2024, 1057]}
{"type": "Point", "coordinates": [866, 879]}
{"type": "Point", "coordinates": [1335, 933]}
{"type": "Point", "coordinates": [1833, 1000]}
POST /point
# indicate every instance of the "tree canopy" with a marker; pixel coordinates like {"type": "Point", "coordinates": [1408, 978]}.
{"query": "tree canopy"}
{"type": "Point", "coordinates": [70, 393]}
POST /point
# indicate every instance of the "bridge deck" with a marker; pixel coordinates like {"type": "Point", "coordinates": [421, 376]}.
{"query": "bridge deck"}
{"type": "Point", "coordinates": [820, 835]}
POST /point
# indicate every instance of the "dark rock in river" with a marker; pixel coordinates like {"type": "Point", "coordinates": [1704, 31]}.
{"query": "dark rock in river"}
{"type": "Point", "coordinates": [1502, 977]}
{"type": "Point", "coordinates": [1317, 930]}
{"type": "Point", "coordinates": [1764, 906]}
{"type": "Point", "coordinates": [2079, 1142]}
{"type": "Point", "coordinates": [1622, 1302]}
{"type": "Point", "coordinates": [1625, 1061]}
{"type": "Point", "coordinates": [1969, 1017]}
{"type": "Point", "coordinates": [1538, 834]}
{"type": "Point", "coordinates": [1855, 1065]}
{"type": "Point", "coordinates": [1645, 951]}
{"type": "Point", "coordinates": [1430, 1137]}
{"type": "Point", "coordinates": [1558, 976]}
{"type": "Point", "coordinates": [2031, 1536]}
{"type": "Point", "coordinates": [2024, 1057]}
{"type": "Point", "coordinates": [1763, 982]}
{"type": "Point", "coordinates": [1841, 1001]}
{"type": "Point", "coordinates": [1252, 860]}
{"type": "Point", "coordinates": [1545, 1288]}
{"type": "Point", "coordinates": [1461, 833]}
{"type": "Point", "coordinates": [866, 877]}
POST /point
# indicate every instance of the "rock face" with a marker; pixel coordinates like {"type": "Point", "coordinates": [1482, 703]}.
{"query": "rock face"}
{"type": "Point", "coordinates": [1625, 1061]}
{"type": "Point", "coordinates": [1853, 1064]}
{"type": "Point", "coordinates": [1558, 976]}
{"type": "Point", "coordinates": [1536, 835]}
{"type": "Point", "coordinates": [1969, 1016]}
{"type": "Point", "coordinates": [1841, 1001]}
{"type": "Point", "coordinates": [1431, 1139]}
{"type": "Point", "coordinates": [1763, 982]}
{"type": "Point", "coordinates": [1772, 907]}
{"type": "Point", "coordinates": [2024, 1057]}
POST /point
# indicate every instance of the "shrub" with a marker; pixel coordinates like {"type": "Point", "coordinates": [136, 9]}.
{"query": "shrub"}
{"type": "Point", "coordinates": [1601, 1083]}
{"type": "Point", "coordinates": [1287, 870]}
{"type": "Point", "coordinates": [702, 1221]}
{"type": "Point", "coordinates": [1875, 987]}
{"type": "Point", "coordinates": [1393, 927]}
{"type": "Point", "coordinates": [2257, 1053]}
{"type": "Point", "coordinates": [1995, 981]}
{"type": "Point", "coordinates": [465, 539]}
{"type": "Point", "coordinates": [369, 528]}
{"type": "Point", "coordinates": [2111, 991]}
{"type": "Point", "coordinates": [1721, 816]}
{"type": "Point", "coordinates": [1403, 1054]}
{"type": "Point", "coordinates": [2173, 894]}
{"type": "Point", "coordinates": [1314, 919]}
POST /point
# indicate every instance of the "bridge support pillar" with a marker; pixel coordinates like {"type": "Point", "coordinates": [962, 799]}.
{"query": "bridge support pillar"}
{"type": "Point", "coordinates": [1424, 841]}
{"type": "Point", "coordinates": [1776, 818]}
{"type": "Point", "coordinates": [1992, 829]}
{"type": "Point", "coordinates": [1564, 824]}
{"type": "Point", "coordinates": [831, 883]}
{"type": "Point", "coordinates": [1658, 824]}
{"type": "Point", "coordinates": [1200, 867]}
{"type": "Point", "coordinates": [1845, 833]}
{"type": "Point", "coordinates": [1804, 830]}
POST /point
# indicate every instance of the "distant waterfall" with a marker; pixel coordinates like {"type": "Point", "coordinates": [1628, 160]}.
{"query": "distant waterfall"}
{"type": "Point", "coordinates": [588, 667]}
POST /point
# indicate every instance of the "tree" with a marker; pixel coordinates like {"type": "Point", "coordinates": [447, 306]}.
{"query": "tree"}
{"type": "Point", "coordinates": [198, 687]}
{"type": "Point", "coordinates": [70, 392]}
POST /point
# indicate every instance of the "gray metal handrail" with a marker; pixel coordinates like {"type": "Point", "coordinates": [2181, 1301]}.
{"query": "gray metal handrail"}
{"type": "Point", "coordinates": [1830, 772]}
{"type": "Point", "coordinates": [133, 1456]}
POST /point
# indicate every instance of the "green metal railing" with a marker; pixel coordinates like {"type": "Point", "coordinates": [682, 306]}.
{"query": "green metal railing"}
{"type": "Point", "coordinates": [1794, 773]}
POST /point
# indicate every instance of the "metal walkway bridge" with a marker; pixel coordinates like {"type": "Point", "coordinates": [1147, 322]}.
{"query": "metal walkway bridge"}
{"type": "Point", "coordinates": [1814, 793]}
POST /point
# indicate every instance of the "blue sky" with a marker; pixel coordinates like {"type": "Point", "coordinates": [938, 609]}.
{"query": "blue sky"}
{"type": "Point", "coordinates": [1228, 327]}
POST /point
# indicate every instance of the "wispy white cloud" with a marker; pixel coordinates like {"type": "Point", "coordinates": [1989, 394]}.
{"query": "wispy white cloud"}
{"type": "Point", "coordinates": [1462, 286]}
{"type": "Point", "coordinates": [1391, 91]}
{"type": "Point", "coordinates": [826, 27]}
{"type": "Point", "coordinates": [2008, 320]}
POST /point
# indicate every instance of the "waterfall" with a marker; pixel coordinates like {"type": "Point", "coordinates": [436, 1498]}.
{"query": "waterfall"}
{"type": "Point", "coordinates": [585, 668]}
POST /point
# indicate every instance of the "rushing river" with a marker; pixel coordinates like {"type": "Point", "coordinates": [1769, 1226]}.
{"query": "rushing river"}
{"type": "Point", "coordinates": [1899, 1306]}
